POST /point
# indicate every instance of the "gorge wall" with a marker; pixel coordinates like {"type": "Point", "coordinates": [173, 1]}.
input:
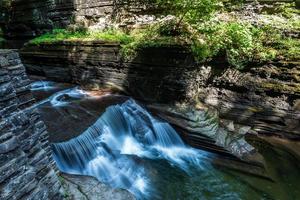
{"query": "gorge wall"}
{"type": "Point", "coordinates": [28, 19]}
{"type": "Point", "coordinates": [263, 97]}
{"type": "Point", "coordinates": [26, 165]}
{"type": "Point", "coordinates": [166, 76]}
{"type": "Point", "coordinates": [159, 77]}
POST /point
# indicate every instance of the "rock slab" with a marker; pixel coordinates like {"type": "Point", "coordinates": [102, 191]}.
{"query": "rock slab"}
{"type": "Point", "coordinates": [27, 170]}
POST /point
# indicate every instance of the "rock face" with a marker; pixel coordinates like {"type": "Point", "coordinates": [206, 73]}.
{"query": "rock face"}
{"type": "Point", "coordinates": [89, 188]}
{"type": "Point", "coordinates": [160, 77]}
{"type": "Point", "coordinates": [31, 18]}
{"type": "Point", "coordinates": [26, 168]}
{"type": "Point", "coordinates": [264, 97]}
{"type": "Point", "coordinates": [203, 129]}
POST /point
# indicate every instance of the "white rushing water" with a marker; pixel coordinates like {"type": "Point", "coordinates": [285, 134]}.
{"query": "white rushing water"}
{"type": "Point", "coordinates": [110, 150]}
{"type": "Point", "coordinates": [43, 85]}
{"type": "Point", "coordinates": [64, 97]}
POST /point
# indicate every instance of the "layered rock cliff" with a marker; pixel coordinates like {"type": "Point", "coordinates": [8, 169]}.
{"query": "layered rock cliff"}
{"type": "Point", "coordinates": [28, 19]}
{"type": "Point", "coordinates": [26, 165]}
{"type": "Point", "coordinates": [256, 98]}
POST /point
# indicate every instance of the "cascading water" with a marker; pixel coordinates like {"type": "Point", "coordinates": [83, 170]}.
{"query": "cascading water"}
{"type": "Point", "coordinates": [62, 98]}
{"type": "Point", "coordinates": [128, 148]}
{"type": "Point", "coordinates": [43, 85]}
{"type": "Point", "coordinates": [112, 148]}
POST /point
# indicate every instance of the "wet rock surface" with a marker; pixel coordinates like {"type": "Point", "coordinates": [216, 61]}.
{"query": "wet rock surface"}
{"type": "Point", "coordinates": [26, 166]}
{"type": "Point", "coordinates": [88, 188]}
{"type": "Point", "coordinates": [205, 123]}
{"type": "Point", "coordinates": [263, 97]}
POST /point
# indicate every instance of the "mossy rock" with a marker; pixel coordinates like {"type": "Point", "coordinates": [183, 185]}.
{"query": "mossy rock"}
{"type": "Point", "coordinates": [284, 88]}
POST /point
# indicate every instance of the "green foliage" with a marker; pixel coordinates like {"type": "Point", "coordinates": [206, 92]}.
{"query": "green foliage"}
{"type": "Point", "coordinates": [236, 41]}
{"type": "Point", "coordinates": [191, 11]}
{"type": "Point", "coordinates": [287, 10]}
{"type": "Point", "coordinates": [239, 43]}
{"type": "Point", "coordinates": [288, 48]}
{"type": "Point", "coordinates": [157, 35]}
{"type": "Point", "coordinates": [66, 35]}
{"type": "Point", "coordinates": [274, 45]}
{"type": "Point", "coordinates": [6, 4]}
{"type": "Point", "coordinates": [231, 5]}
{"type": "Point", "coordinates": [284, 16]}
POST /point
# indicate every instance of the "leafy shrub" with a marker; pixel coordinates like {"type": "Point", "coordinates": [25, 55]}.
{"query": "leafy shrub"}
{"type": "Point", "coordinates": [157, 35]}
{"type": "Point", "coordinates": [191, 11]}
{"type": "Point", "coordinates": [236, 41]}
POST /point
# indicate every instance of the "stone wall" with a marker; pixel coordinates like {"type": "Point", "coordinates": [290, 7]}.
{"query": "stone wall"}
{"type": "Point", "coordinates": [26, 167]}
{"type": "Point", "coordinates": [264, 97]}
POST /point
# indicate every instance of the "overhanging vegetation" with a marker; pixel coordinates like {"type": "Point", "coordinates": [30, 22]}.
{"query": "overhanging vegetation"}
{"type": "Point", "coordinates": [207, 36]}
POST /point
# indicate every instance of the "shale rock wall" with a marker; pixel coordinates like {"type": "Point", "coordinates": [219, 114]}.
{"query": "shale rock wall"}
{"type": "Point", "coordinates": [156, 74]}
{"type": "Point", "coordinates": [26, 168]}
{"type": "Point", "coordinates": [264, 97]}
{"type": "Point", "coordinates": [30, 18]}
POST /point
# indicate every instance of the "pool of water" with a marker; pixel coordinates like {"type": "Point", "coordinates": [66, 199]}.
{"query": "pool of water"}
{"type": "Point", "coordinates": [149, 170]}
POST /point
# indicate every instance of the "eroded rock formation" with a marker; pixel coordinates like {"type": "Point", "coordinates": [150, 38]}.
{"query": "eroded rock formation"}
{"type": "Point", "coordinates": [26, 166]}
{"type": "Point", "coordinates": [258, 97]}
{"type": "Point", "coordinates": [159, 77]}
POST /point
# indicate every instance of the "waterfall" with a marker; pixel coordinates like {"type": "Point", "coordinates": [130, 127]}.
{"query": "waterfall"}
{"type": "Point", "coordinates": [113, 147]}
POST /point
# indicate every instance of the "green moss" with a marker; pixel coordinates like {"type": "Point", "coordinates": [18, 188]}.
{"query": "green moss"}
{"type": "Point", "coordinates": [282, 87]}
{"type": "Point", "coordinates": [289, 48]}
{"type": "Point", "coordinates": [64, 35]}
{"type": "Point", "coordinates": [274, 43]}
{"type": "Point", "coordinates": [287, 10]}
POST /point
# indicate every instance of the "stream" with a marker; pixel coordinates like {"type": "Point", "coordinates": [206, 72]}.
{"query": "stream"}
{"type": "Point", "coordinates": [116, 140]}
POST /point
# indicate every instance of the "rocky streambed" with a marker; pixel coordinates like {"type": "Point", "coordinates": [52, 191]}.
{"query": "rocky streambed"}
{"type": "Point", "coordinates": [70, 113]}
